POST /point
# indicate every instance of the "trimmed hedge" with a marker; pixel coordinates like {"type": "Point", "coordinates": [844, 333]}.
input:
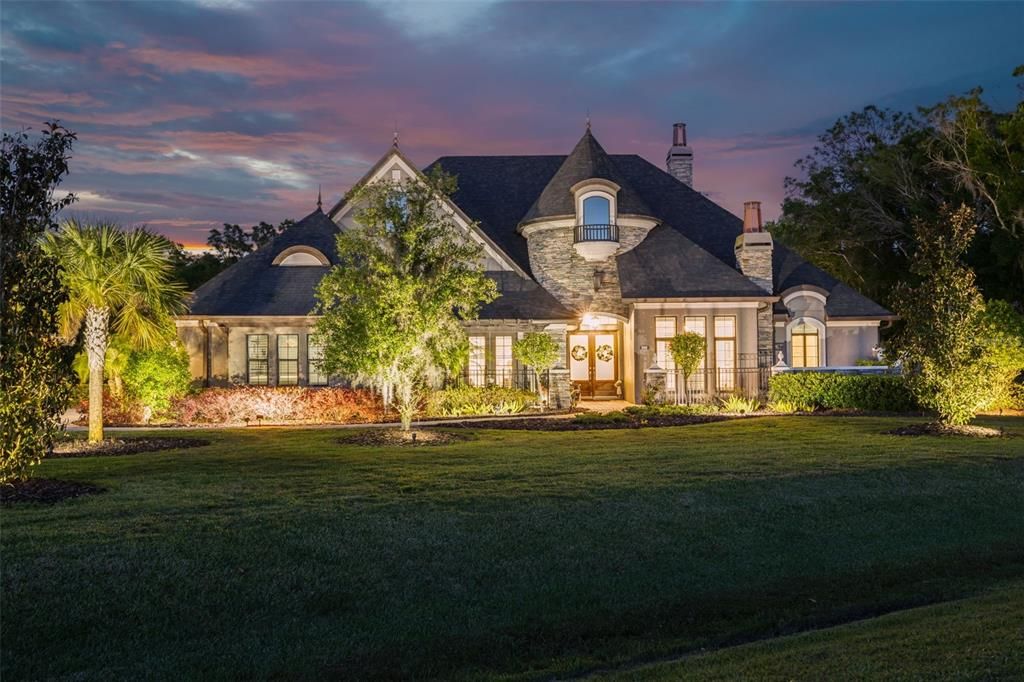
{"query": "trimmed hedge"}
{"type": "Point", "coordinates": [875, 392]}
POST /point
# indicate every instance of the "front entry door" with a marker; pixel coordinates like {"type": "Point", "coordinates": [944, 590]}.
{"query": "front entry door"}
{"type": "Point", "coordinates": [594, 363]}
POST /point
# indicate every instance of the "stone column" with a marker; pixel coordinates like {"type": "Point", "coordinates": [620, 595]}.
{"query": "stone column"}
{"type": "Point", "coordinates": [558, 333]}
{"type": "Point", "coordinates": [559, 388]}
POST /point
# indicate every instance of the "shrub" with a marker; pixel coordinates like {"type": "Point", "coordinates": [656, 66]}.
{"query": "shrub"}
{"type": "Point", "coordinates": [616, 417]}
{"type": "Point", "coordinates": [739, 405]}
{"type": "Point", "coordinates": [883, 393]}
{"type": "Point", "coordinates": [788, 407]}
{"type": "Point", "coordinates": [154, 378]}
{"type": "Point", "coordinates": [119, 409]}
{"type": "Point", "coordinates": [464, 401]}
{"type": "Point", "coordinates": [347, 405]}
{"type": "Point", "coordinates": [1004, 349]}
{"type": "Point", "coordinates": [277, 404]}
{"type": "Point", "coordinates": [650, 411]}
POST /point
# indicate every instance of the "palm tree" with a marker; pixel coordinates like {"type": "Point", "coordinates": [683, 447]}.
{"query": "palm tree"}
{"type": "Point", "coordinates": [118, 281]}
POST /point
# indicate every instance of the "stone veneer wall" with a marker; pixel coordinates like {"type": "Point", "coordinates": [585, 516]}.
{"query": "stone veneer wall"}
{"type": "Point", "coordinates": [754, 258]}
{"type": "Point", "coordinates": [562, 271]}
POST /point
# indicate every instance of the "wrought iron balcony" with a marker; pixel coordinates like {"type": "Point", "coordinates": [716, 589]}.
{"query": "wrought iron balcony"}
{"type": "Point", "coordinates": [597, 233]}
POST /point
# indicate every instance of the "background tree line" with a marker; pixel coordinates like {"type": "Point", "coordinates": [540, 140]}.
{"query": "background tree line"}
{"type": "Point", "coordinates": [875, 171]}
{"type": "Point", "coordinates": [227, 246]}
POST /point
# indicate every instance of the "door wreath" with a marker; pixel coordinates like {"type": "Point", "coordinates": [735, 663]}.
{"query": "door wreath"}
{"type": "Point", "coordinates": [604, 353]}
{"type": "Point", "coordinates": [579, 353]}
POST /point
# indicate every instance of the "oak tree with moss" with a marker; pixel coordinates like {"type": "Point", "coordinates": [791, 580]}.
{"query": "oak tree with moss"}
{"type": "Point", "coordinates": [407, 277]}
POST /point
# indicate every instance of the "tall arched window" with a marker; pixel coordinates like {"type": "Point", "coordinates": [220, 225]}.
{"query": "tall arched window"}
{"type": "Point", "coordinates": [805, 346]}
{"type": "Point", "coordinates": [597, 210]}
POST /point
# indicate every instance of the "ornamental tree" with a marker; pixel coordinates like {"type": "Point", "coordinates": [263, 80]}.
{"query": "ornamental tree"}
{"type": "Point", "coordinates": [538, 351]}
{"type": "Point", "coordinates": [117, 281]}
{"type": "Point", "coordinates": [942, 342]}
{"type": "Point", "coordinates": [687, 350]}
{"type": "Point", "coordinates": [407, 276]}
{"type": "Point", "coordinates": [35, 365]}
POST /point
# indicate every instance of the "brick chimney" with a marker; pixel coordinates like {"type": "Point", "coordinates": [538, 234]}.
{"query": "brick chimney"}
{"type": "Point", "coordinates": [754, 248]}
{"type": "Point", "coordinates": [680, 157]}
{"type": "Point", "coordinates": [751, 216]}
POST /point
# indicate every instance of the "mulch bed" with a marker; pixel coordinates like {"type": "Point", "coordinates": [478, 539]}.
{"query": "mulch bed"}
{"type": "Point", "coordinates": [933, 429]}
{"type": "Point", "coordinates": [44, 491]}
{"type": "Point", "coordinates": [574, 425]}
{"type": "Point", "coordinates": [114, 447]}
{"type": "Point", "coordinates": [395, 437]}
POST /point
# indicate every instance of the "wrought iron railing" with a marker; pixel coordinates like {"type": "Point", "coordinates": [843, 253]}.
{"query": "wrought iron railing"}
{"type": "Point", "coordinates": [749, 378]}
{"type": "Point", "coordinates": [597, 233]}
{"type": "Point", "coordinates": [705, 385]}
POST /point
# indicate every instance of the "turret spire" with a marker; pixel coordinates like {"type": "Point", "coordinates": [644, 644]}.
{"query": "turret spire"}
{"type": "Point", "coordinates": [319, 199]}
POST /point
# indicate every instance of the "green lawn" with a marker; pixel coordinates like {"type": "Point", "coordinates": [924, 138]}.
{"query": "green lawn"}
{"type": "Point", "coordinates": [980, 638]}
{"type": "Point", "coordinates": [279, 553]}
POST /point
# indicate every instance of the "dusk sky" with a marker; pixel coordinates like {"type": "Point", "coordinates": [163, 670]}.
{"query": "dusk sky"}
{"type": "Point", "coordinates": [194, 114]}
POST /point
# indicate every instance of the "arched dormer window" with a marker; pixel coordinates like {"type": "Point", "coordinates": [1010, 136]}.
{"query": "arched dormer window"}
{"type": "Point", "coordinates": [299, 256]}
{"type": "Point", "coordinates": [596, 211]}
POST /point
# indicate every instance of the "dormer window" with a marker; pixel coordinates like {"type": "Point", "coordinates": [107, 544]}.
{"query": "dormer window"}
{"type": "Point", "coordinates": [597, 234]}
{"type": "Point", "coordinates": [298, 256]}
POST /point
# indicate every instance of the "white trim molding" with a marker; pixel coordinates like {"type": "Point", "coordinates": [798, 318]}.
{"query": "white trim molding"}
{"type": "Point", "coordinates": [696, 305]}
{"type": "Point", "coordinates": [854, 323]}
{"type": "Point", "coordinates": [300, 249]}
{"type": "Point", "coordinates": [787, 297]}
{"type": "Point", "coordinates": [822, 345]}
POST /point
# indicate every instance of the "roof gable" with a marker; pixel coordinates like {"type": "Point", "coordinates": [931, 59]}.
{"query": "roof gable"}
{"type": "Point", "coordinates": [396, 158]}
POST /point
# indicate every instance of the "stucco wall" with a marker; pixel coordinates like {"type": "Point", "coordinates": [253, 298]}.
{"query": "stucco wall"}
{"type": "Point", "coordinates": [847, 345]}
{"type": "Point", "coordinates": [844, 344]}
{"type": "Point", "coordinates": [228, 345]}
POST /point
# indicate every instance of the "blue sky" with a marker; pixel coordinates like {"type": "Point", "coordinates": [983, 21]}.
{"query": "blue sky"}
{"type": "Point", "coordinates": [193, 114]}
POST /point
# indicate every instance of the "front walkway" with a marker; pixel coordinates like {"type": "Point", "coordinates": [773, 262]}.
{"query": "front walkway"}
{"type": "Point", "coordinates": [603, 406]}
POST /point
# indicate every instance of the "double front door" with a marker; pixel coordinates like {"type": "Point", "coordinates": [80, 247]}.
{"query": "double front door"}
{"type": "Point", "coordinates": [594, 363]}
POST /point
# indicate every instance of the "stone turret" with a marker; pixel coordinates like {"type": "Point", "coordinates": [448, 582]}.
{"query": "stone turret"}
{"type": "Point", "coordinates": [679, 160]}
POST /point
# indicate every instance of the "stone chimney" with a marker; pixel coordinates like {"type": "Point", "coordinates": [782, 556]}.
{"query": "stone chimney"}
{"type": "Point", "coordinates": [754, 248]}
{"type": "Point", "coordinates": [680, 157]}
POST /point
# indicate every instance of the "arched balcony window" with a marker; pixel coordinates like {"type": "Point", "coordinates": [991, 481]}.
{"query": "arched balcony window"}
{"type": "Point", "coordinates": [596, 223]}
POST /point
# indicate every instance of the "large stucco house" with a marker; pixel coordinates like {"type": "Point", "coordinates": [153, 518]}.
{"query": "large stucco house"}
{"type": "Point", "coordinates": [606, 252]}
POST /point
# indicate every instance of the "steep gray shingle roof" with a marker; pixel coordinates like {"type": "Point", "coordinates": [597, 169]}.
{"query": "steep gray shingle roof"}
{"type": "Point", "coordinates": [668, 265]}
{"type": "Point", "coordinates": [690, 254]}
{"type": "Point", "coordinates": [588, 160]}
{"type": "Point", "coordinates": [523, 299]}
{"type": "Point", "coordinates": [253, 286]}
{"type": "Point", "coordinates": [493, 191]}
